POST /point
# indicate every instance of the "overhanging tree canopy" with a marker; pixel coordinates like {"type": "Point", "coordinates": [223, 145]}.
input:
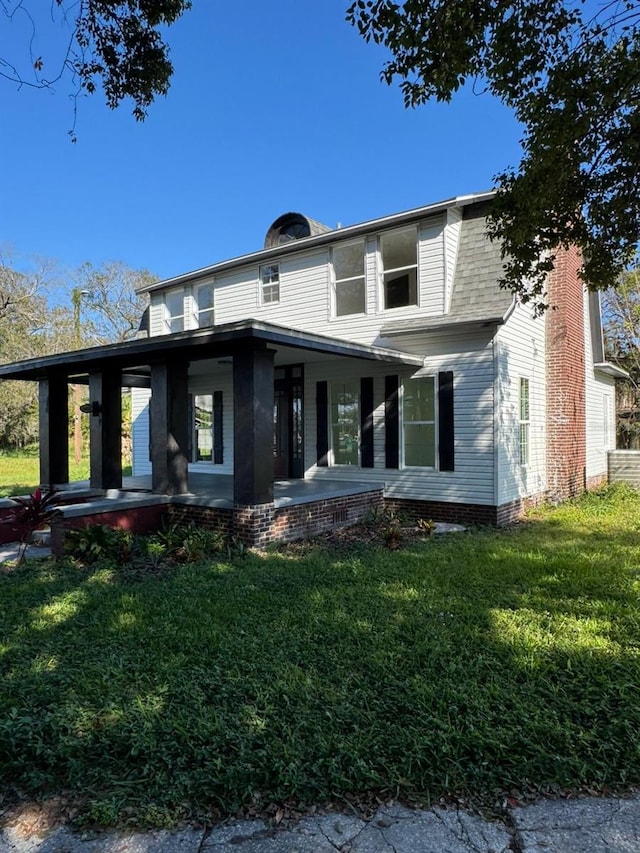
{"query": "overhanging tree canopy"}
{"type": "Point", "coordinates": [571, 73]}
{"type": "Point", "coordinates": [117, 45]}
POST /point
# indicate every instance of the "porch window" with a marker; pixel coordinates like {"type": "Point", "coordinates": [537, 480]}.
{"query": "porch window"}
{"type": "Point", "coordinates": [399, 253]}
{"type": "Point", "coordinates": [203, 428]}
{"type": "Point", "coordinates": [204, 301]}
{"type": "Point", "coordinates": [348, 271]}
{"type": "Point", "coordinates": [345, 422]}
{"type": "Point", "coordinates": [174, 311]}
{"type": "Point", "coordinates": [269, 283]}
{"type": "Point", "coordinates": [524, 421]}
{"type": "Point", "coordinates": [419, 422]}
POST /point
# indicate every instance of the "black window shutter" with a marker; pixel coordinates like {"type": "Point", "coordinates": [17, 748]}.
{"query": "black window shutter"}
{"type": "Point", "coordinates": [366, 422]}
{"type": "Point", "coordinates": [191, 422]}
{"type": "Point", "coordinates": [445, 421]}
{"type": "Point", "coordinates": [391, 422]}
{"type": "Point", "coordinates": [150, 407]}
{"type": "Point", "coordinates": [322, 424]}
{"type": "Point", "coordinates": [217, 428]}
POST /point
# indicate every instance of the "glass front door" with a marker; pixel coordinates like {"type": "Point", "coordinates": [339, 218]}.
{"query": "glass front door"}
{"type": "Point", "coordinates": [288, 411]}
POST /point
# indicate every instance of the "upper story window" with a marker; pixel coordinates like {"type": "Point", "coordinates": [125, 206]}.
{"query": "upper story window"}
{"type": "Point", "coordinates": [399, 252]}
{"type": "Point", "coordinates": [348, 271]}
{"type": "Point", "coordinates": [419, 422]}
{"type": "Point", "coordinates": [524, 421]}
{"type": "Point", "coordinates": [204, 303]}
{"type": "Point", "coordinates": [174, 311]}
{"type": "Point", "coordinates": [269, 283]}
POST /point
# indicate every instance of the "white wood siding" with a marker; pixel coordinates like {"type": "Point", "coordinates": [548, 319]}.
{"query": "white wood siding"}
{"type": "Point", "coordinates": [431, 266]}
{"type": "Point", "coordinates": [218, 378]}
{"type": "Point", "coordinates": [599, 408]}
{"type": "Point", "coordinates": [305, 294]}
{"type": "Point", "coordinates": [156, 315]}
{"type": "Point", "coordinates": [471, 360]}
{"type": "Point", "coordinates": [624, 467]}
{"type": "Point", "coordinates": [141, 463]}
{"type": "Point", "coordinates": [520, 353]}
{"type": "Point", "coordinates": [451, 241]}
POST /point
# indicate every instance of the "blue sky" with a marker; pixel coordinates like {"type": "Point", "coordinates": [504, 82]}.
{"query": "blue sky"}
{"type": "Point", "coordinates": [272, 108]}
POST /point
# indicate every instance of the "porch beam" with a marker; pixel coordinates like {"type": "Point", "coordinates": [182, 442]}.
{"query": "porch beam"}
{"type": "Point", "coordinates": [105, 430]}
{"type": "Point", "coordinates": [169, 428]}
{"type": "Point", "coordinates": [53, 396]}
{"type": "Point", "coordinates": [253, 425]}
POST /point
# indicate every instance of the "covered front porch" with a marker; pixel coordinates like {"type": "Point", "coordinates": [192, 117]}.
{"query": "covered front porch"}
{"type": "Point", "coordinates": [301, 508]}
{"type": "Point", "coordinates": [256, 501]}
{"type": "Point", "coordinates": [216, 490]}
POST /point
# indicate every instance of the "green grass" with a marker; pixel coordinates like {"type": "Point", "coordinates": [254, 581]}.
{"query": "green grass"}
{"type": "Point", "coordinates": [20, 471]}
{"type": "Point", "coordinates": [474, 663]}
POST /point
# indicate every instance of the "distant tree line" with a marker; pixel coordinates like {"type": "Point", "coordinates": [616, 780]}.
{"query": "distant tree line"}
{"type": "Point", "coordinates": [621, 311]}
{"type": "Point", "coordinates": [43, 312]}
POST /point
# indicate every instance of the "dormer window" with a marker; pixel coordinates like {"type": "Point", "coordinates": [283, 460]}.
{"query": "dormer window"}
{"type": "Point", "coordinates": [269, 283]}
{"type": "Point", "coordinates": [174, 311]}
{"type": "Point", "coordinates": [348, 271]}
{"type": "Point", "coordinates": [204, 302]}
{"type": "Point", "coordinates": [399, 255]}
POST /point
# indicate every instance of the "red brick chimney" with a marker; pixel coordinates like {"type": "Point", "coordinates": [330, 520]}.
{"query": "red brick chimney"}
{"type": "Point", "coordinates": [566, 415]}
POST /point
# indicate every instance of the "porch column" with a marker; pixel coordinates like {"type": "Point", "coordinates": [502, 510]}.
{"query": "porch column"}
{"type": "Point", "coordinates": [53, 396]}
{"type": "Point", "coordinates": [105, 430]}
{"type": "Point", "coordinates": [253, 426]}
{"type": "Point", "coordinates": [169, 428]}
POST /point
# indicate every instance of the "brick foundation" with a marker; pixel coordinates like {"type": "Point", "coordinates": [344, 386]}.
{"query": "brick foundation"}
{"type": "Point", "coordinates": [460, 513]}
{"type": "Point", "coordinates": [453, 513]}
{"type": "Point", "coordinates": [258, 525]}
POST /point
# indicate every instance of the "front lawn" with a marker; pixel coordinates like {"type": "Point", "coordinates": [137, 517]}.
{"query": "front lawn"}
{"type": "Point", "coordinates": [20, 471]}
{"type": "Point", "coordinates": [476, 663]}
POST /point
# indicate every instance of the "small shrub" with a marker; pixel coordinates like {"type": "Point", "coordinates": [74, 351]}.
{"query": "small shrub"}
{"type": "Point", "coordinates": [392, 537]}
{"type": "Point", "coordinates": [136, 555]}
{"type": "Point", "coordinates": [380, 517]}
{"type": "Point", "coordinates": [189, 543]}
{"type": "Point", "coordinates": [426, 526]}
{"type": "Point", "coordinates": [32, 513]}
{"type": "Point", "coordinates": [98, 542]}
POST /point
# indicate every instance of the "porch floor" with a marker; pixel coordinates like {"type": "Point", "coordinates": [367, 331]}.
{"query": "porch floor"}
{"type": "Point", "coordinates": [216, 490]}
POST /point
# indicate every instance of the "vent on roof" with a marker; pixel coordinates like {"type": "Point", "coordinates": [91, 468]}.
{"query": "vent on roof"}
{"type": "Point", "coordinates": [292, 226]}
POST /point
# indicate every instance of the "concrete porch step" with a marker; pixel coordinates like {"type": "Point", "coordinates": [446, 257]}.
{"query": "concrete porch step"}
{"type": "Point", "coordinates": [41, 538]}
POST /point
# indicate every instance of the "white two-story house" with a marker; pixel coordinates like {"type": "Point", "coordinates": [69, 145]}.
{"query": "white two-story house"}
{"type": "Point", "coordinates": [382, 357]}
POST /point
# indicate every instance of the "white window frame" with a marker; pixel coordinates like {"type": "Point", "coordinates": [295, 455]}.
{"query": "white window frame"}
{"type": "Point", "coordinates": [200, 311]}
{"type": "Point", "coordinates": [335, 282]}
{"type": "Point", "coordinates": [169, 318]}
{"type": "Point", "coordinates": [269, 286]}
{"type": "Point", "coordinates": [195, 431]}
{"type": "Point", "coordinates": [524, 421]}
{"type": "Point", "coordinates": [383, 271]}
{"type": "Point", "coordinates": [404, 423]}
{"type": "Point", "coordinates": [334, 386]}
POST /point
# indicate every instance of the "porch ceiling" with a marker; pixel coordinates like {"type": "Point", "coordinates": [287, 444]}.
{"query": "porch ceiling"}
{"type": "Point", "coordinates": [132, 357]}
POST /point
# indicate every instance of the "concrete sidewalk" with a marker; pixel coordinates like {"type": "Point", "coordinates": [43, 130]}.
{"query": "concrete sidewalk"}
{"type": "Point", "coordinates": [597, 825]}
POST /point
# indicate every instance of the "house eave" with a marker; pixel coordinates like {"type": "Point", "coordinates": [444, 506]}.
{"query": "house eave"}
{"type": "Point", "coordinates": [610, 370]}
{"type": "Point", "coordinates": [347, 233]}
{"type": "Point", "coordinates": [195, 345]}
{"type": "Point", "coordinates": [446, 324]}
